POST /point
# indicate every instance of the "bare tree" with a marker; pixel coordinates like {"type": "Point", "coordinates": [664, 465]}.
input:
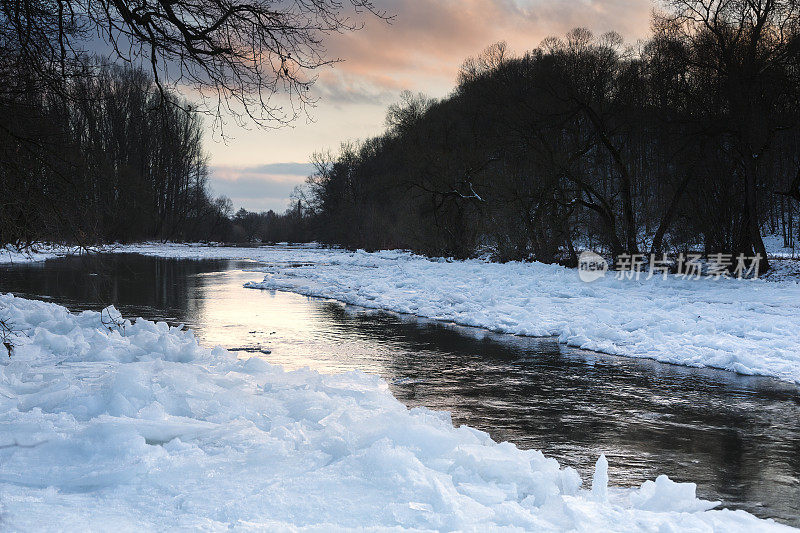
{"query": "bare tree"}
{"type": "Point", "coordinates": [750, 48]}
{"type": "Point", "coordinates": [410, 109]}
{"type": "Point", "coordinates": [236, 54]}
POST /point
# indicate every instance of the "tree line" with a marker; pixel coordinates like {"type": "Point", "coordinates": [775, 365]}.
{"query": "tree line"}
{"type": "Point", "coordinates": [100, 160]}
{"type": "Point", "coordinates": [268, 227]}
{"type": "Point", "coordinates": [96, 143]}
{"type": "Point", "coordinates": [103, 160]}
{"type": "Point", "coordinates": [689, 140]}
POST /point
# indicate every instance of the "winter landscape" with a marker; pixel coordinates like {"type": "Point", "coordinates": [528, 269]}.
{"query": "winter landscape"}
{"type": "Point", "coordinates": [400, 266]}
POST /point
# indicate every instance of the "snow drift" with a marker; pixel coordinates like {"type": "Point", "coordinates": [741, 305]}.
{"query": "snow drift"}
{"type": "Point", "coordinates": [107, 424]}
{"type": "Point", "coordinates": [744, 326]}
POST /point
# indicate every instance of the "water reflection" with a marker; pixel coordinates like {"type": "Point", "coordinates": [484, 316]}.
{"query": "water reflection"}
{"type": "Point", "coordinates": [737, 437]}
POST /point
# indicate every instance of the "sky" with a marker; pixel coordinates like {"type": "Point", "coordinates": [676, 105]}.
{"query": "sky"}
{"type": "Point", "coordinates": [421, 50]}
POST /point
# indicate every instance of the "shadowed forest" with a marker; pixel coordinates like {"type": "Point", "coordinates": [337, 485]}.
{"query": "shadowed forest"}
{"type": "Point", "coordinates": [687, 141]}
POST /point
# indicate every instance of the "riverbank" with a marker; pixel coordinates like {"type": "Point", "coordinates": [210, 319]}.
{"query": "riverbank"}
{"type": "Point", "coordinates": [743, 326]}
{"type": "Point", "coordinates": [108, 423]}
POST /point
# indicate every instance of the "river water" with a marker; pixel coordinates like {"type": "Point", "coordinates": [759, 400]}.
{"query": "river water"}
{"type": "Point", "coordinates": [737, 437]}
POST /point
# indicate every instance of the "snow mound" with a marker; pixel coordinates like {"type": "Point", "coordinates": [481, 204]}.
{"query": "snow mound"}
{"type": "Point", "coordinates": [745, 326]}
{"type": "Point", "coordinates": [663, 494]}
{"type": "Point", "coordinates": [139, 427]}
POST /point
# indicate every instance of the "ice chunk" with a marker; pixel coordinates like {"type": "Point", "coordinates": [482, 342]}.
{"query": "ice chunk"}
{"type": "Point", "coordinates": [665, 495]}
{"type": "Point", "coordinates": [600, 479]}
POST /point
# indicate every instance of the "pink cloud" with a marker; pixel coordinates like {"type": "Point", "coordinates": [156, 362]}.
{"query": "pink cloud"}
{"type": "Point", "coordinates": [429, 39]}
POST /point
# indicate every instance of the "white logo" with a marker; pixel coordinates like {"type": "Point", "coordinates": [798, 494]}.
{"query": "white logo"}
{"type": "Point", "coordinates": [591, 266]}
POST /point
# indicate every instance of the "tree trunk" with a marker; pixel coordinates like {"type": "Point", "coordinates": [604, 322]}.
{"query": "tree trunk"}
{"type": "Point", "coordinates": [669, 214]}
{"type": "Point", "coordinates": [750, 241]}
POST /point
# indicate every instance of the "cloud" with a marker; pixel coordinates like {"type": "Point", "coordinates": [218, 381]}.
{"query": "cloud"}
{"type": "Point", "coordinates": [340, 87]}
{"type": "Point", "coordinates": [259, 187]}
{"type": "Point", "coordinates": [424, 45]}
{"type": "Point", "coordinates": [273, 172]}
{"type": "Point", "coordinates": [421, 49]}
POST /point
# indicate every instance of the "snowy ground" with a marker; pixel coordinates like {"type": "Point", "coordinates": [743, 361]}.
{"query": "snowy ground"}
{"type": "Point", "coordinates": [41, 252]}
{"type": "Point", "coordinates": [137, 427]}
{"type": "Point", "coordinates": [775, 248]}
{"type": "Point", "coordinates": [743, 326]}
{"type": "Point", "coordinates": [749, 327]}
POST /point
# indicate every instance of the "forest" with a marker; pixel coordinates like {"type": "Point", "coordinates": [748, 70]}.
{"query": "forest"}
{"type": "Point", "coordinates": [687, 141]}
{"type": "Point", "coordinates": [103, 161]}
{"type": "Point", "coordinates": [98, 142]}
{"type": "Point", "coordinates": [99, 162]}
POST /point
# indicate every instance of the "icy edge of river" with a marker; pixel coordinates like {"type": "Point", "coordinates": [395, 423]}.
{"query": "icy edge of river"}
{"type": "Point", "coordinates": [107, 423]}
{"type": "Point", "coordinates": [748, 327]}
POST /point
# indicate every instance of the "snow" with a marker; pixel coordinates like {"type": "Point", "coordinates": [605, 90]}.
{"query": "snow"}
{"type": "Point", "coordinates": [113, 425]}
{"type": "Point", "coordinates": [744, 326]}
{"type": "Point", "coordinates": [775, 248]}
{"type": "Point", "coordinates": [41, 252]}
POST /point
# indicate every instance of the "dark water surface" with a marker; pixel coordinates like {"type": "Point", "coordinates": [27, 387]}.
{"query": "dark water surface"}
{"type": "Point", "coordinates": [737, 437]}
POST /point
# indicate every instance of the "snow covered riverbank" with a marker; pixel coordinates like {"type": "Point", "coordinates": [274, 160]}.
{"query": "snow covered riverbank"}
{"type": "Point", "coordinates": [138, 427]}
{"type": "Point", "coordinates": [743, 326]}
{"type": "Point", "coordinates": [11, 255]}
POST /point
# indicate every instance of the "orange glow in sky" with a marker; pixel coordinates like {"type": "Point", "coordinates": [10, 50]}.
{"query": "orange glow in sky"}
{"type": "Point", "coordinates": [420, 50]}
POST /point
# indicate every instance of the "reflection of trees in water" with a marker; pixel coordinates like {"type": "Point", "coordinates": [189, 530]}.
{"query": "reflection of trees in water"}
{"type": "Point", "coordinates": [156, 287]}
{"type": "Point", "coordinates": [412, 334]}
{"type": "Point", "coordinates": [730, 433]}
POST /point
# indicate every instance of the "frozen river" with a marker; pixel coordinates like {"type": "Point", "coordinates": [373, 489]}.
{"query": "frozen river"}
{"type": "Point", "coordinates": [737, 437]}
